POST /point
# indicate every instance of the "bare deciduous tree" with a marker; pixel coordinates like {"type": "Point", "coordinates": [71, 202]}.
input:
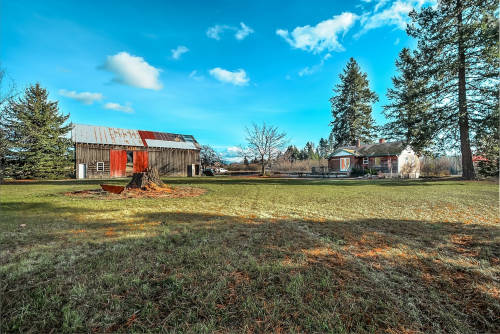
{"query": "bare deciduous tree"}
{"type": "Point", "coordinates": [208, 156]}
{"type": "Point", "coordinates": [264, 143]}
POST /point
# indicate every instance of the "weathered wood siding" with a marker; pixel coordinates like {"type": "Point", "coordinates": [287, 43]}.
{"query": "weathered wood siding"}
{"type": "Point", "coordinates": [173, 162]}
{"type": "Point", "coordinates": [168, 161]}
{"type": "Point", "coordinates": [91, 155]}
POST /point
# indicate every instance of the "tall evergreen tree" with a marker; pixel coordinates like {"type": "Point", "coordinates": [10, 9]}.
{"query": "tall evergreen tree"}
{"type": "Point", "coordinates": [7, 93]}
{"type": "Point", "coordinates": [352, 107]}
{"type": "Point", "coordinates": [39, 131]}
{"type": "Point", "coordinates": [409, 110]}
{"type": "Point", "coordinates": [310, 151]}
{"type": "Point", "coordinates": [331, 143]}
{"type": "Point", "coordinates": [323, 150]}
{"type": "Point", "coordinates": [292, 153]}
{"type": "Point", "coordinates": [486, 142]}
{"type": "Point", "coordinates": [455, 41]}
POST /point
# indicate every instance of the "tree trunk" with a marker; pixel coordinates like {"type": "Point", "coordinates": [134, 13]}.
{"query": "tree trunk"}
{"type": "Point", "coordinates": [463, 115]}
{"type": "Point", "coordinates": [148, 179]}
{"type": "Point", "coordinates": [262, 166]}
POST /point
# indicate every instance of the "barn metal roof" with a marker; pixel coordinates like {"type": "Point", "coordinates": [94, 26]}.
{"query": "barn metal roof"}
{"type": "Point", "coordinates": [170, 144]}
{"type": "Point", "coordinates": [92, 134]}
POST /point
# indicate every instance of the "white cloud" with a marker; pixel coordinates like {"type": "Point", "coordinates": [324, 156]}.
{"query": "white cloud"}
{"type": "Point", "coordinates": [396, 42]}
{"type": "Point", "coordinates": [232, 159]}
{"type": "Point", "coordinates": [234, 149]}
{"type": "Point", "coordinates": [215, 31]}
{"type": "Point", "coordinates": [230, 153]}
{"type": "Point", "coordinates": [313, 69]}
{"type": "Point", "coordinates": [133, 71]}
{"type": "Point", "coordinates": [118, 107]}
{"type": "Point", "coordinates": [238, 77]}
{"type": "Point", "coordinates": [194, 75]}
{"type": "Point", "coordinates": [179, 51]}
{"type": "Point", "coordinates": [243, 32]}
{"type": "Point", "coordinates": [380, 4]}
{"type": "Point", "coordinates": [394, 15]}
{"type": "Point", "coordinates": [322, 36]}
{"type": "Point", "coordinates": [83, 97]}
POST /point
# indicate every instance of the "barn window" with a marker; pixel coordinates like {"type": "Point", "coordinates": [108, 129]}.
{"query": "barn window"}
{"type": "Point", "coordinates": [365, 161]}
{"type": "Point", "coordinates": [100, 166]}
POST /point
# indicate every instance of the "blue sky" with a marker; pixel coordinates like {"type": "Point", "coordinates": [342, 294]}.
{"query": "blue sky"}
{"type": "Point", "coordinates": [206, 68]}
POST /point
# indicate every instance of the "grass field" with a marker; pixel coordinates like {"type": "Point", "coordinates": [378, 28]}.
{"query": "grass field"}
{"type": "Point", "coordinates": [253, 255]}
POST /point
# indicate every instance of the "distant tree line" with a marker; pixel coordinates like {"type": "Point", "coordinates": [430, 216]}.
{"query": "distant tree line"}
{"type": "Point", "coordinates": [34, 134]}
{"type": "Point", "coordinates": [309, 152]}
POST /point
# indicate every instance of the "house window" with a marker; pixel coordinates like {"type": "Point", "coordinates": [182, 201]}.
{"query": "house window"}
{"type": "Point", "coordinates": [378, 162]}
{"type": "Point", "coordinates": [345, 163]}
{"type": "Point", "coordinates": [365, 161]}
{"type": "Point", "coordinates": [100, 166]}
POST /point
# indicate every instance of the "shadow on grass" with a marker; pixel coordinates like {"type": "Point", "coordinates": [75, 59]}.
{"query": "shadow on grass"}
{"type": "Point", "coordinates": [286, 181]}
{"type": "Point", "coordinates": [241, 180]}
{"type": "Point", "coordinates": [49, 207]}
{"type": "Point", "coordinates": [213, 272]}
{"type": "Point", "coordinates": [64, 182]}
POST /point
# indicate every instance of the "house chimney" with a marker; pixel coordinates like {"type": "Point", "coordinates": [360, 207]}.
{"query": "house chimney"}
{"type": "Point", "coordinates": [381, 140]}
{"type": "Point", "coordinates": [358, 143]}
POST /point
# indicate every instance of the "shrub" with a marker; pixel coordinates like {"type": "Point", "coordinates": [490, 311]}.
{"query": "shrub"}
{"type": "Point", "coordinates": [357, 172]}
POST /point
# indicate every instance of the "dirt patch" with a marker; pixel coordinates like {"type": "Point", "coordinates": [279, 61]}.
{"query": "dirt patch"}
{"type": "Point", "coordinates": [150, 192]}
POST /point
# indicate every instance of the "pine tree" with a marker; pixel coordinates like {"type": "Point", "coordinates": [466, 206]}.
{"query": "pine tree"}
{"type": "Point", "coordinates": [352, 107]}
{"type": "Point", "coordinates": [39, 131]}
{"type": "Point", "coordinates": [331, 143]}
{"type": "Point", "coordinates": [7, 93]}
{"type": "Point", "coordinates": [409, 113]}
{"type": "Point", "coordinates": [323, 150]}
{"type": "Point", "coordinates": [310, 151]}
{"type": "Point", "coordinates": [292, 153]}
{"type": "Point", "coordinates": [486, 142]}
{"type": "Point", "coordinates": [455, 41]}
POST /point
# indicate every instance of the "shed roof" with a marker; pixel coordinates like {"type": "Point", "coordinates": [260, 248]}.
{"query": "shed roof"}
{"type": "Point", "coordinates": [374, 150]}
{"type": "Point", "coordinates": [92, 134]}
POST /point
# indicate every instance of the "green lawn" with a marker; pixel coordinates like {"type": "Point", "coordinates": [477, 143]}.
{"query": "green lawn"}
{"type": "Point", "coordinates": [253, 255]}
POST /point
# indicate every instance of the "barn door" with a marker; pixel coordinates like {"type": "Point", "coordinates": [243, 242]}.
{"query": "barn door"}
{"type": "Point", "coordinates": [82, 171]}
{"type": "Point", "coordinates": [117, 163]}
{"type": "Point", "coordinates": [140, 161]}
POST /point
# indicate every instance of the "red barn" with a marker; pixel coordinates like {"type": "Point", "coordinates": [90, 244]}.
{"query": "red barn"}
{"type": "Point", "coordinates": [102, 152]}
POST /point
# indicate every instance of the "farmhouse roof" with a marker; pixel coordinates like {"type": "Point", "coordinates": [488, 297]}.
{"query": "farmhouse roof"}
{"type": "Point", "coordinates": [92, 134]}
{"type": "Point", "coordinates": [373, 150]}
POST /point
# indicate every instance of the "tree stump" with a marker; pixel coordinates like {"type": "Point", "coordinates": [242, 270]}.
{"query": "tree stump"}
{"type": "Point", "coordinates": [149, 179]}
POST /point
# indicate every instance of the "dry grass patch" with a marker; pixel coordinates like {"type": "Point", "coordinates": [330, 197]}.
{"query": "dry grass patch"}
{"type": "Point", "coordinates": [156, 192]}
